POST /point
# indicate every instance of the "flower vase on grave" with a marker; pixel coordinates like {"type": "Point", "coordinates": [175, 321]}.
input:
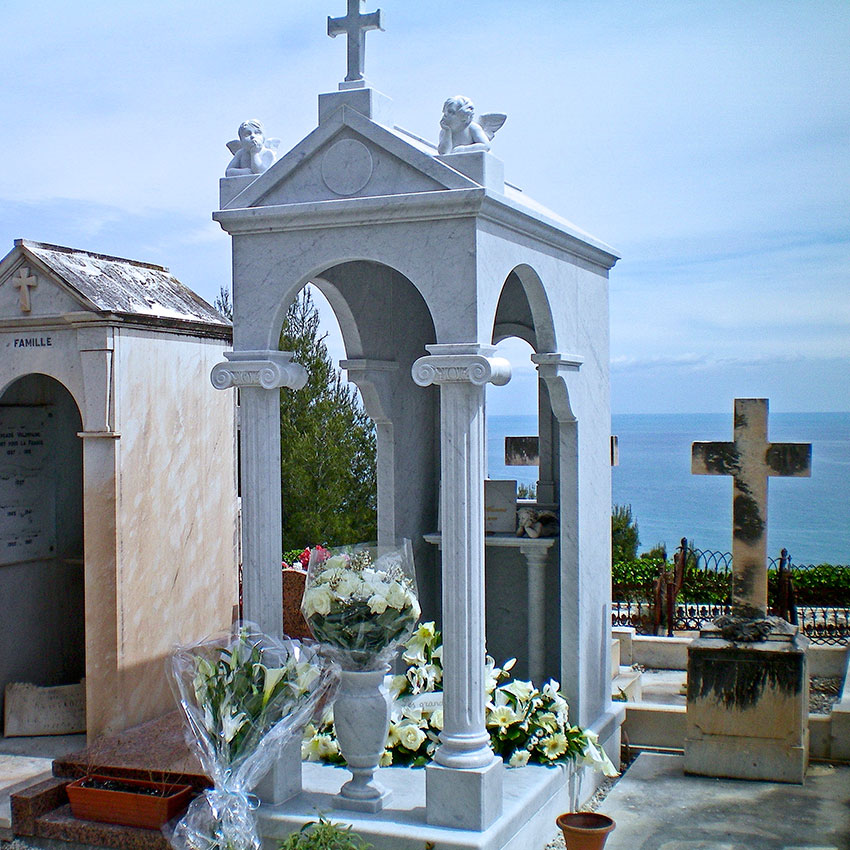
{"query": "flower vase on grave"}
{"type": "Point", "coordinates": [362, 721]}
{"type": "Point", "coordinates": [360, 602]}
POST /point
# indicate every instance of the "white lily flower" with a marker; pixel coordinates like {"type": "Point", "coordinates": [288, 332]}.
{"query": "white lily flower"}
{"type": "Point", "coordinates": [231, 724]}
{"type": "Point", "coordinates": [272, 676]}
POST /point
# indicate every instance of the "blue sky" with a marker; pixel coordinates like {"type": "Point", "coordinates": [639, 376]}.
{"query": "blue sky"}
{"type": "Point", "coordinates": [709, 142]}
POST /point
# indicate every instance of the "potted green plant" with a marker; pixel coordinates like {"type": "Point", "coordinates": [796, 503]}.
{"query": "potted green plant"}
{"type": "Point", "coordinates": [324, 835]}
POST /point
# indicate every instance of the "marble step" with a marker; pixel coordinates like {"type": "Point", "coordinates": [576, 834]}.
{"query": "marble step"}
{"type": "Point", "coordinates": [628, 683]}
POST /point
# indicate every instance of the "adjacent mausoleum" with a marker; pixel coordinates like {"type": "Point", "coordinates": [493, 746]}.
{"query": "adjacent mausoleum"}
{"type": "Point", "coordinates": [118, 497]}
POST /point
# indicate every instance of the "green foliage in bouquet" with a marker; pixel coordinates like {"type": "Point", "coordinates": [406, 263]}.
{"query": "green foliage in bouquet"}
{"type": "Point", "coordinates": [324, 835]}
{"type": "Point", "coordinates": [240, 698]}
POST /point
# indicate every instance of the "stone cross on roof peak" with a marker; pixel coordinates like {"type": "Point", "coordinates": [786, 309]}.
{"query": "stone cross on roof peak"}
{"type": "Point", "coordinates": [750, 459]}
{"type": "Point", "coordinates": [355, 26]}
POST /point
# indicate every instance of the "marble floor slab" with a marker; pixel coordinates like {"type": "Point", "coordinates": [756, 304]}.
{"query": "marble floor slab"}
{"type": "Point", "coordinates": [16, 773]}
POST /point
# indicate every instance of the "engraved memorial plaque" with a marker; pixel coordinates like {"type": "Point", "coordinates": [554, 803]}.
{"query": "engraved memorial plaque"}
{"type": "Point", "coordinates": [27, 485]}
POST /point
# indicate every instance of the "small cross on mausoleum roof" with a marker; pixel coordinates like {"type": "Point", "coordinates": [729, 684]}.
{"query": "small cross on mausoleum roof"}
{"type": "Point", "coordinates": [355, 26]}
{"type": "Point", "coordinates": [750, 459]}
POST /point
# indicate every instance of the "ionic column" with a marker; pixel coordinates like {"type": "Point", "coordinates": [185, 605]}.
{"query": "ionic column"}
{"type": "Point", "coordinates": [462, 371]}
{"type": "Point", "coordinates": [259, 375]}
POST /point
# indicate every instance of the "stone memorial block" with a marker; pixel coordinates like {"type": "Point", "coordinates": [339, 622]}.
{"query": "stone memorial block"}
{"type": "Point", "coordinates": [499, 506]}
{"type": "Point", "coordinates": [117, 490]}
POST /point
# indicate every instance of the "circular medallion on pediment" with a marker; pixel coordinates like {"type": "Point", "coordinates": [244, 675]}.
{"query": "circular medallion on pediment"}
{"type": "Point", "coordinates": [346, 167]}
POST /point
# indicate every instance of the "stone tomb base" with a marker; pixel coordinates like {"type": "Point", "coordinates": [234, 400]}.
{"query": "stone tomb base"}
{"type": "Point", "coordinates": [532, 798]}
{"type": "Point", "coordinates": [748, 707]}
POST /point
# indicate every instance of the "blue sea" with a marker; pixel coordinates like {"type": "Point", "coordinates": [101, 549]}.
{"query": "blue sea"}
{"type": "Point", "coordinates": [810, 517]}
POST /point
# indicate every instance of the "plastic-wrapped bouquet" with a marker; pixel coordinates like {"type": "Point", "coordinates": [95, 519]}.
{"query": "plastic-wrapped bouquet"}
{"type": "Point", "coordinates": [360, 602]}
{"type": "Point", "coordinates": [245, 695]}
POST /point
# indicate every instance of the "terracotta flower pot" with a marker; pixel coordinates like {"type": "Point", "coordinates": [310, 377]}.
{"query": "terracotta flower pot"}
{"type": "Point", "coordinates": [585, 830]}
{"type": "Point", "coordinates": [125, 807]}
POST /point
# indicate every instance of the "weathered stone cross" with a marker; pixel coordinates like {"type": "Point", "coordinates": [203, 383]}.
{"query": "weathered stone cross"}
{"type": "Point", "coordinates": [25, 282]}
{"type": "Point", "coordinates": [355, 26]}
{"type": "Point", "coordinates": [751, 459]}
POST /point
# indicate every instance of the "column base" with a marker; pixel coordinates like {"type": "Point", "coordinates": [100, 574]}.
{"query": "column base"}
{"type": "Point", "coordinates": [469, 798]}
{"type": "Point", "coordinates": [283, 781]}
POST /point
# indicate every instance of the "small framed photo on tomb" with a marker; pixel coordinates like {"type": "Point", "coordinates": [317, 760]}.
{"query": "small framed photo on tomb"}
{"type": "Point", "coordinates": [499, 506]}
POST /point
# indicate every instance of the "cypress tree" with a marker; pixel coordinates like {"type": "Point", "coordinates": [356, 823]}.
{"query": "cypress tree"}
{"type": "Point", "coordinates": [327, 445]}
{"type": "Point", "coordinates": [328, 477]}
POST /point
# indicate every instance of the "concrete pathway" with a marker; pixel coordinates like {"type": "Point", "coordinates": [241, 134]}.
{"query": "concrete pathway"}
{"type": "Point", "coordinates": [657, 807]}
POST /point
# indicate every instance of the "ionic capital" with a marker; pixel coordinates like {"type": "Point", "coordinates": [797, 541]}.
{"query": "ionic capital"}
{"type": "Point", "coordinates": [267, 370]}
{"type": "Point", "coordinates": [461, 364]}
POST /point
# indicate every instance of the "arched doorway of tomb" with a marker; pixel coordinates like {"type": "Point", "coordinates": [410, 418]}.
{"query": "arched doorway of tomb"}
{"type": "Point", "coordinates": [385, 325]}
{"type": "Point", "coordinates": [42, 628]}
{"type": "Point", "coordinates": [532, 435]}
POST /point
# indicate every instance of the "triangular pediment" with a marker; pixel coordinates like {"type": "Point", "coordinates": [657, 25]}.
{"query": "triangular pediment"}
{"type": "Point", "coordinates": [349, 156]}
{"type": "Point", "coordinates": [28, 290]}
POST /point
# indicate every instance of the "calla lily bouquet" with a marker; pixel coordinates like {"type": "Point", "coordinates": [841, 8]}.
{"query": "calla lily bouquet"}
{"type": "Point", "coordinates": [360, 602]}
{"type": "Point", "coordinates": [244, 695]}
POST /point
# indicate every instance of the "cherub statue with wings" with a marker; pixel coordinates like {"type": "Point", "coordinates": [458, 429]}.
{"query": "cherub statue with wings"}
{"type": "Point", "coordinates": [459, 133]}
{"type": "Point", "coordinates": [252, 152]}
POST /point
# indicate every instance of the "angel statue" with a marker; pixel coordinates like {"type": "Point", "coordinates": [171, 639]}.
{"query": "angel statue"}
{"type": "Point", "coordinates": [459, 133]}
{"type": "Point", "coordinates": [252, 152]}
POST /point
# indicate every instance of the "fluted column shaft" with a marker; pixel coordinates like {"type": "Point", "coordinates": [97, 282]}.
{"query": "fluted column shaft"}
{"type": "Point", "coordinates": [461, 371]}
{"type": "Point", "coordinates": [259, 376]}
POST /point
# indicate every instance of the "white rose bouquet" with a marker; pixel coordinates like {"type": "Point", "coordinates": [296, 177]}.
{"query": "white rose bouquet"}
{"type": "Point", "coordinates": [244, 695]}
{"type": "Point", "coordinates": [360, 602]}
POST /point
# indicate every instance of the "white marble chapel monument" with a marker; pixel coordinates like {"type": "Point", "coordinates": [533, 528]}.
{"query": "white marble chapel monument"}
{"type": "Point", "coordinates": [428, 259]}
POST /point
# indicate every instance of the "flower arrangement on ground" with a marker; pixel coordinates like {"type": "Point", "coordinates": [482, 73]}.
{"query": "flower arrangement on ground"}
{"type": "Point", "coordinates": [244, 696]}
{"type": "Point", "coordinates": [527, 725]}
{"type": "Point", "coordinates": [360, 602]}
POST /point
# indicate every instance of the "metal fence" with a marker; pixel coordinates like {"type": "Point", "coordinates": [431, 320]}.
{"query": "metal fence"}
{"type": "Point", "coordinates": [821, 624]}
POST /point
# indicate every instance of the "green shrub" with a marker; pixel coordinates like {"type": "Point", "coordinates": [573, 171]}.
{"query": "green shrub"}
{"type": "Point", "coordinates": [825, 584]}
{"type": "Point", "coordinates": [324, 835]}
{"type": "Point", "coordinates": [633, 579]}
{"type": "Point", "coordinates": [624, 534]}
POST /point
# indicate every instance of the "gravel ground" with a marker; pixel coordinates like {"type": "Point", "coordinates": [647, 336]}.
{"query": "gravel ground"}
{"type": "Point", "coordinates": [823, 693]}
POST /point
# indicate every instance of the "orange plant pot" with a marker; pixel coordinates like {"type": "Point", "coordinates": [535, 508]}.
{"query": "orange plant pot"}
{"type": "Point", "coordinates": [585, 830]}
{"type": "Point", "coordinates": [149, 811]}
